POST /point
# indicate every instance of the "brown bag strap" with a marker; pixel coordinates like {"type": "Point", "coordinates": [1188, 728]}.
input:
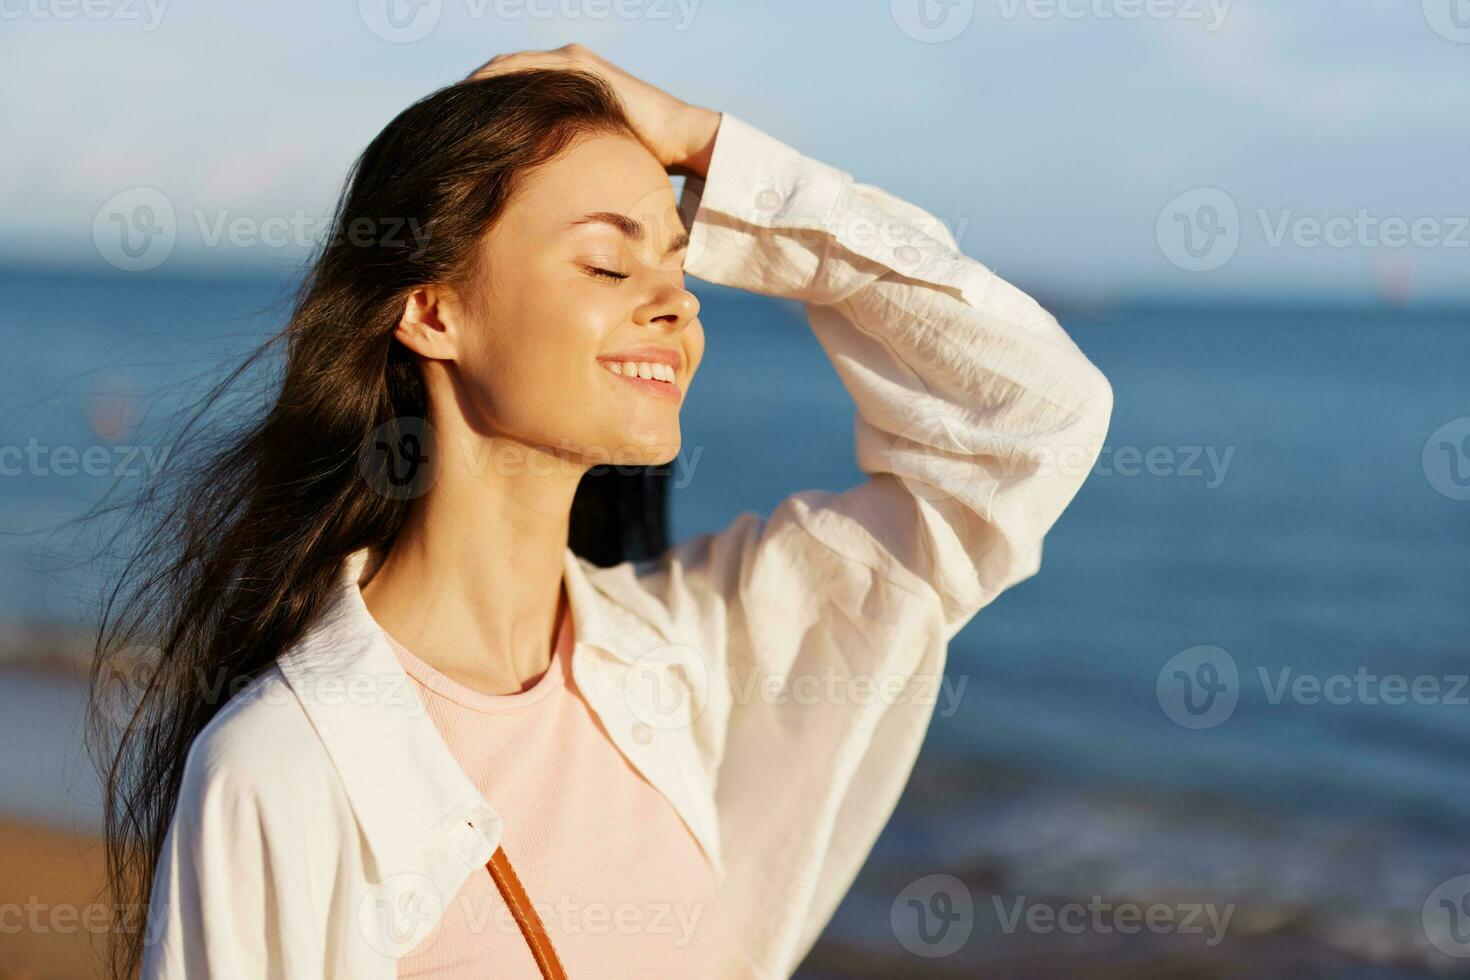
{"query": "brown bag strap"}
{"type": "Point", "coordinates": [525, 915]}
{"type": "Point", "coordinates": [499, 864]}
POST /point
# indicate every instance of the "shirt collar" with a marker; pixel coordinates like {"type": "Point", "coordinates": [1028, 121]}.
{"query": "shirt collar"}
{"type": "Point", "coordinates": [405, 787]}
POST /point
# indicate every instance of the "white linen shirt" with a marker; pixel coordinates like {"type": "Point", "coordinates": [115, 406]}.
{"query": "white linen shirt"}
{"type": "Point", "coordinates": [773, 680]}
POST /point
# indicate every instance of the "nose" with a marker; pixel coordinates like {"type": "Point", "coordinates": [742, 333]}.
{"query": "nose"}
{"type": "Point", "coordinates": [672, 306]}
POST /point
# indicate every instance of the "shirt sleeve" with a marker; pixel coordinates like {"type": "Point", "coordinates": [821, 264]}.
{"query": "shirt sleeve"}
{"type": "Point", "coordinates": [231, 891]}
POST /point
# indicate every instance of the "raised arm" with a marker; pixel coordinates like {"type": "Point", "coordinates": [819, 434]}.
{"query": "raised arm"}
{"type": "Point", "coordinates": [977, 416]}
{"type": "Point", "coordinates": [821, 630]}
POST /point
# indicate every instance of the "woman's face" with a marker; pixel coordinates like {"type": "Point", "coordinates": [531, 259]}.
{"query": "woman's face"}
{"type": "Point", "coordinates": [583, 271]}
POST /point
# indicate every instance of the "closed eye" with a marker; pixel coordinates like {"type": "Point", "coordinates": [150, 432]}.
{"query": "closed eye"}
{"type": "Point", "coordinates": [604, 273]}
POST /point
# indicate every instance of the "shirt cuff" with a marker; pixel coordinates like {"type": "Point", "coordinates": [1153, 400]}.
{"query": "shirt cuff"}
{"type": "Point", "coordinates": [754, 182]}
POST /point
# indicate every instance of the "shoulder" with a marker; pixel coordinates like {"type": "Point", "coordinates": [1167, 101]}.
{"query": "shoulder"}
{"type": "Point", "coordinates": [678, 591]}
{"type": "Point", "coordinates": [259, 749]}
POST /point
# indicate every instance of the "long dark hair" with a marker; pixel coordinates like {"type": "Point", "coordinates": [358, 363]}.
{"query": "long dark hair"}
{"type": "Point", "coordinates": [245, 533]}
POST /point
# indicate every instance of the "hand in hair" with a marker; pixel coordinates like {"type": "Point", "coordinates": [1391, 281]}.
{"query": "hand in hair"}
{"type": "Point", "coordinates": [681, 135]}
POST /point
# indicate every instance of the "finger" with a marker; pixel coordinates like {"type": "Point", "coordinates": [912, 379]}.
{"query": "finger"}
{"type": "Point", "coordinates": [496, 63]}
{"type": "Point", "coordinates": [516, 61]}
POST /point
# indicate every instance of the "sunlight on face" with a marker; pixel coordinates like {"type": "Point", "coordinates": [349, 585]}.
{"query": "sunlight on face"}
{"type": "Point", "coordinates": [585, 267]}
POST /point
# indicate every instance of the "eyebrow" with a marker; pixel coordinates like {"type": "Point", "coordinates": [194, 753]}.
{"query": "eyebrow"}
{"type": "Point", "coordinates": [630, 228]}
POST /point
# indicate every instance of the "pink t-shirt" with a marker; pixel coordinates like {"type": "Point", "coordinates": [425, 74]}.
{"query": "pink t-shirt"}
{"type": "Point", "coordinates": [618, 880]}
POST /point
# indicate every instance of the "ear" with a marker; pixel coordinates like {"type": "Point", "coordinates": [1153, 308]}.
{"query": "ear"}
{"type": "Point", "coordinates": [432, 322]}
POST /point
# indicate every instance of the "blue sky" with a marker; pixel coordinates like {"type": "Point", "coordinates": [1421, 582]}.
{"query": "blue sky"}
{"type": "Point", "coordinates": [1088, 149]}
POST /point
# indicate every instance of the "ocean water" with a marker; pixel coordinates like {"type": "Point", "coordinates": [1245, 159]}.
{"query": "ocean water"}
{"type": "Point", "coordinates": [1270, 503]}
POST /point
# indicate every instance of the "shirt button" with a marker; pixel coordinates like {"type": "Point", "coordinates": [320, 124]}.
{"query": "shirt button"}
{"type": "Point", "coordinates": [642, 734]}
{"type": "Point", "coordinates": [907, 254]}
{"type": "Point", "coordinates": [768, 200]}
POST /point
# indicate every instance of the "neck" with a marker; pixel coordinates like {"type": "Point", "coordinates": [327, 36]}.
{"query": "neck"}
{"type": "Point", "coordinates": [473, 581]}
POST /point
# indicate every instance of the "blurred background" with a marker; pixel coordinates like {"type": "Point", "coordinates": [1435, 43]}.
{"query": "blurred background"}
{"type": "Point", "coordinates": [1223, 733]}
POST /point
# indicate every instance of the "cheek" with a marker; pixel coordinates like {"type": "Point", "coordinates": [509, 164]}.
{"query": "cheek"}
{"type": "Point", "coordinates": [570, 329]}
{"type": "Point", "coordinates": [535, 330]}
{"type": "Point", "coordinates": [539, 365]}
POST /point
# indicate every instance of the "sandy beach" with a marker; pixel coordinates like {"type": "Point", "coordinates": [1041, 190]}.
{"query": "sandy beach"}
{"type": "Point", "coordinates": [52, 915]}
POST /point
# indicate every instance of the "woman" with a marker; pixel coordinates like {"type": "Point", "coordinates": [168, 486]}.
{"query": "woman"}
{"type": "Point", "coordinates": [422, 621]}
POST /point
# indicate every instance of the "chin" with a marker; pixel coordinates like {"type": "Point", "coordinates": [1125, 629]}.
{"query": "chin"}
{"type": "Point", "coordinates": [642, 447]}
{"type": "Point", "coordinates": [659, 453]}
{"type": "Point", "coordinates": [653, 448]}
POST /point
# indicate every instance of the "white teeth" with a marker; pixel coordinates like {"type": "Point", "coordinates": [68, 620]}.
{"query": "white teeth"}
{"type": "Point", "coordinates": [641, 369]}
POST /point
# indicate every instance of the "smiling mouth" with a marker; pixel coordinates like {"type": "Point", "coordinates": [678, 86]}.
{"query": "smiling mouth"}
{"type": "Point", "coordinates": [651, 378]}
{"type": "Point", "coordinates": [641, 369]}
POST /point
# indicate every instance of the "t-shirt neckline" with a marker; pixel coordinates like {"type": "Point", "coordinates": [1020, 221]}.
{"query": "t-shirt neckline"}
{"type": "Point", "coordinates": [461, 694]}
